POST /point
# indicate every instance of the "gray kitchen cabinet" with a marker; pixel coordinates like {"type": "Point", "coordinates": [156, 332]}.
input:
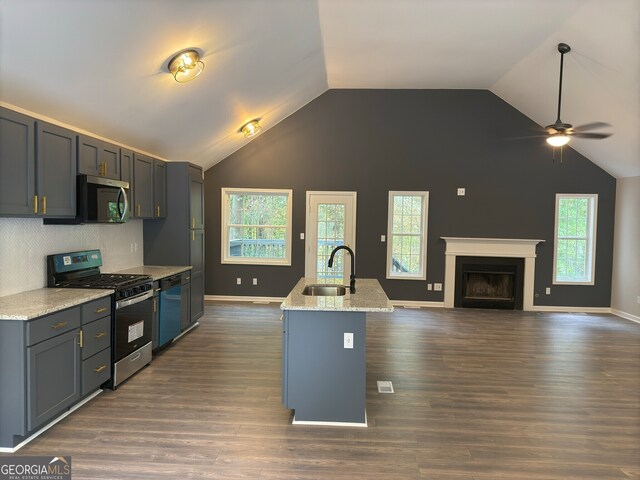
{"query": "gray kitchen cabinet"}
{"type": "Point", "coordinates": [98, 158]}
{"type": "Point", "coordinates": [142, 186]}
{"type": "Point", "coordinates": [174, 240]}
{"type": "Point", "coordinates": [49, 364]}
{"type": "Point", "coordinates": [53, 372]}
{"type": "Point", "coordinates": [126, 174]}
{"type": "Point", "coordinates": [17, 163]}
{"type": "Point", "coordinates": [155, 318]}
{"type": "Point", "coordinates": [55, 171]}
{"type": "Point", "coordinates": [37, 167]}
{"type": "Point", "coordinates": [159, 188]}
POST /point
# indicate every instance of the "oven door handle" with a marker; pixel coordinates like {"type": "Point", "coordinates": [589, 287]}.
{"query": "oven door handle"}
{"type": "Point", "coordinates": [132, 301]}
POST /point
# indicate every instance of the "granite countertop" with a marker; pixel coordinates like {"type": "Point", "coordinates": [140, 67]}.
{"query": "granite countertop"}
{"type": "Point", "coordinates": [369, 297]}
{"type": "Point", "coordinates": [156, 272]}
{"type": "Point", "coordinates": [36, 303]}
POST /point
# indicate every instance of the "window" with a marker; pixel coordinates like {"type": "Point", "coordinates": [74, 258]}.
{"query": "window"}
{"type": "Point", "coordinates": [407, 235]}
{"type": "Point", "coordinates": [256, 226]}
{"type": "Point", "coordinates": [575, 239]}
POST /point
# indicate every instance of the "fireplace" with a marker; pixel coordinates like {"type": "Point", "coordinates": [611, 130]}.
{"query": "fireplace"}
{"type": "Point", "coordinates": [489, 282]}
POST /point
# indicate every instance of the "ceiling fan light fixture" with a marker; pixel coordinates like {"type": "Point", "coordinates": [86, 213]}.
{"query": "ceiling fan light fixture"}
{"type": "Point", "coordinates": [558, 140]}
{"type": "Point", "coordinates": [251, 128]}
{"type": "Point", "coordinates": [186, 65]}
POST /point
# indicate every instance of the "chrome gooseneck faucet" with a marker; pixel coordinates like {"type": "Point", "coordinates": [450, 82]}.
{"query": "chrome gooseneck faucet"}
{"type": "Point", "coordinates": [352, 279]}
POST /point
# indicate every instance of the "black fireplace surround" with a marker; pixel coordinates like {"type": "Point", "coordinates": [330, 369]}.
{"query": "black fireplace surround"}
{"type": "Point", "coordinates": [489, 282]}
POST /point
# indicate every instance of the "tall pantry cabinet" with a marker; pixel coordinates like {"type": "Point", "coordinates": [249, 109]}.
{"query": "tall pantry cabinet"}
{"type": "Point", "coordinates": [178, 239]}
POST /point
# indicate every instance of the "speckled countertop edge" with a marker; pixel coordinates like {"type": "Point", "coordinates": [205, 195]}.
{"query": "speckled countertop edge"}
{"type": "Point", "coordinates": [369, 297]}
{"type": "Point", "coordinates": [44, 301]}
{"type": "Point", "coordinates": [157, 272]}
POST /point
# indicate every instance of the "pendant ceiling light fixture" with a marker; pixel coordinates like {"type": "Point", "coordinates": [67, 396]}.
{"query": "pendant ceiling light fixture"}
{"type": "Point", "coordinates": [251, 128]}
{"type": "Point", "coordinates": [186, 65]}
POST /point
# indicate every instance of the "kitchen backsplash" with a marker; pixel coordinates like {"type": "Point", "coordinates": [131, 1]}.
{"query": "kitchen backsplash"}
{"type": "Point", "coordinates": [26, 242]}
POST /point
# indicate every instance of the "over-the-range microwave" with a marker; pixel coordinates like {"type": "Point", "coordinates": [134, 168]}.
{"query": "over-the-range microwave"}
{"type": "Point", "coordinates": [98, 200]}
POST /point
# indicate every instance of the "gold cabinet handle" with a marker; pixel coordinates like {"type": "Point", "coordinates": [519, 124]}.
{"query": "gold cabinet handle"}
{"type": "Point", "coordinates": [193, 222]}
{"type": "Point", "coordinates": [158, 211]}
{"type": "Point", "coordinates": [44, 204]}
{"type": "Point", "coordinates": [137, 210]}
{"type": "Point", "coordinates": [100, 368]}
{"type": "Point", "coordinates": [193, 235]}
{"type": "Point", "coordinates": [35, 204]}
{"type": "Point", "coordinates": [81, 342]}
{"type": "Point", "coordinates": [100, 310]}
{"type": "Point", "coordinates": [58, 325]}
{"type": "Point", "coordinates": [100, 335]}
{"type": "Point", "coordinates": [155, 306]}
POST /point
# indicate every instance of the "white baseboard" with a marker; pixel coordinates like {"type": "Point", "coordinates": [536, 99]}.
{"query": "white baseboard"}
{"type": "Point", "coordinates": [416, 304]}
{"type": "Point", "coordinates": [628, 316]}
{"type": "Point", "coordinates": [240, 298]}
{"type": "Point", "coordinates": [563, 309]}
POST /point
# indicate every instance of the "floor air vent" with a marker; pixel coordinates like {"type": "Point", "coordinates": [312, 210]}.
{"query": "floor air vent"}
{"type": "Point", "coordinates": [385, 386]}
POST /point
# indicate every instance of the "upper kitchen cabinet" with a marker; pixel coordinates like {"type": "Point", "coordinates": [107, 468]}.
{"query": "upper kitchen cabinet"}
{"type": "Point", "coordinates": [55, 194]}
{"type": "Point", "coordinates": [143, 186]}
{"type": "Point", "coordinates": [159, 188]}
{"type": "Point", "coordinates": [196, 197]}
{"type": "Point", "coordinates": [98, 158]}
{"type": "Point", "coordinates": [17, 163]}
{"type": "Point", "coordinates": [36, 181]}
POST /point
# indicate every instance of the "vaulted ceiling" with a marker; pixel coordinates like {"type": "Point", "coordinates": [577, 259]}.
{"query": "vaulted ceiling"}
{"type": "Point", "coordinates": [101, 64]}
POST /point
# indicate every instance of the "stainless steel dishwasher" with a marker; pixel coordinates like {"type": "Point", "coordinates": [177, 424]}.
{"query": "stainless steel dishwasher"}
{"type": "Point", "coordinates": [170, 309]}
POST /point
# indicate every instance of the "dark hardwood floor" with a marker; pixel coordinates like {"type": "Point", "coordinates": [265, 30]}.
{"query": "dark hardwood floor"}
{"type": "Point", "coordinates": [480, 394]}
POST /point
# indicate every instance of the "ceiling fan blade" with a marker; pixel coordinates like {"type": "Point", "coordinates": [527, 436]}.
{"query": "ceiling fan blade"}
{"type": "Point", "coordinates": [591, 126]}
{"type": "Point", "coordinates": [526, 137]}
{"type": "Point", "coordinates": [591, 135]}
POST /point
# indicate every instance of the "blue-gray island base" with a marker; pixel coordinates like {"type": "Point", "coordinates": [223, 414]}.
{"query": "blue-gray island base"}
{"type": "Point", "coordinates": [324, 382]}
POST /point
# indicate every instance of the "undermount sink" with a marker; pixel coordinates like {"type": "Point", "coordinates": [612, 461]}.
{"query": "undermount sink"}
{"type": "Point", "coordinates": [324, 290]}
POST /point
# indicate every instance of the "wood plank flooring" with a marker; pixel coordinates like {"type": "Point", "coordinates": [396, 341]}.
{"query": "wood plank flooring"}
{"type": "Point", "coordinates": [480, 394]}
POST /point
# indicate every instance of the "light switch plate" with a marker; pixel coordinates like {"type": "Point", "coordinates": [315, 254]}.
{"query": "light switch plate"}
{"type": "Point", "coordinates": [429, 286]}
{"type": "Point", "coordinates": [437, 287]}
{"type": "Point", "coordinates": [302, 236]}
{"type": "Point", "coordinates": [383, 238]}
{"type": "Point", "coordinates": [547, 291]}
{"type": "Point", "coordinates": [238, 281]}
{"type": "Point", "coordinates": [461, 192]}
{"type": "Point", "coordinates": [348, 340]}
{"type": "Point", "coordinates": [255, 281]}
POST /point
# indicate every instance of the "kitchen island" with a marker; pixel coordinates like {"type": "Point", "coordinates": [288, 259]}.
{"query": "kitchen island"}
{"type": "Point", "coordinates": [324, 352]}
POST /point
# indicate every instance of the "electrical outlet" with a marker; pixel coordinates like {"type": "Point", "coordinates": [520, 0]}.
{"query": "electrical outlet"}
{"type": "Point", "coordinates": [547, 290]}
{"type": "Point", "coordinates": [132, 247]}
{"type": "Point", "coordinates": [255, 281]}
{"type": "Point", "coordinates": [461, 192]}
{"type": "Point", "coordinates": [383, 238]}
{"type": "Point", "coordinates": [348, 340]}
{"type": "Point", "coordinates": [238, 281]}
{"type": "Point", "coordinates": [437, 287]}
{"type": "Point", "coordinates": [135, 246]}
{"type": "Point", "coordinates": [429, 286]}
{"type": "Point", "coordinates": [302, 236]}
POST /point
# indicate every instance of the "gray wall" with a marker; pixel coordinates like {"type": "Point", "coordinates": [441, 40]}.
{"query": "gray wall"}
{"type": "Point", "coordinates": [625, 290]}
{"type": "Point", "coordinates": [373, 141]}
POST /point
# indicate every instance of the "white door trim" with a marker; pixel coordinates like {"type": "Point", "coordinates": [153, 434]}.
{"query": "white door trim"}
{"type": "Point", "coordinates": [307, 240]}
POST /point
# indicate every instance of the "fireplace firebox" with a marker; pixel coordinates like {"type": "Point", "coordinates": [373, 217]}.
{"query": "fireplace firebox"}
{"type": "Point", "coordinates": [489, 282]}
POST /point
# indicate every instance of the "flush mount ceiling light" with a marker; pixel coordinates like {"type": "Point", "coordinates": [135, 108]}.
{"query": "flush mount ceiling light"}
{"type": "Point", "coordinates": [186, 65]}
{"type": "Point", "coordinates": [251, 128]}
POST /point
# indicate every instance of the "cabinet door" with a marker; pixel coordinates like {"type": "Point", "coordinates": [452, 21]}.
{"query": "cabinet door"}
{"type": "Point", "coordinates": [196, 252]}
{"type": "Point", "coordinates": [53, 371]}
{"type": "Point", "coordinates": [110, 158]}
{"type": "Point", "coordinates": [196, 198]}
{"type": "Point", "coordinates": [126, 174]}
{"type": "Point", "coordinates": [159, 188]}
{"type": "Point", "coordinates": [17, 163]}
{"type": "Point", "coordinates": [143, 186]}
{"type": "Point", "coordinates": [197, 297]}
{"type": "Point", "coordinates": [89, 161]}
{"type": "Point", "coordinates": [56, 170]}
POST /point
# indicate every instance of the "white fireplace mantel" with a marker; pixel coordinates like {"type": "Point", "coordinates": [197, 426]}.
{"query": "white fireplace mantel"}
{"type": "Point", "coordinates": [490, 247]}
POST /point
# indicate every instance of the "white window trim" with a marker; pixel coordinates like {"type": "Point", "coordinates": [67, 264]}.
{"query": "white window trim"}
{"type": "Point", "coordinates": [225, 258]}
{"type": "Point", "coordinates": [591, 246]}
{"type": "Point", "coordinates": [423, 245]}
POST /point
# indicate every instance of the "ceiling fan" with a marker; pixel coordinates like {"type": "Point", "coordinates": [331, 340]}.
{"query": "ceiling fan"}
{"type": "Point", "coordinates": [559, 133]}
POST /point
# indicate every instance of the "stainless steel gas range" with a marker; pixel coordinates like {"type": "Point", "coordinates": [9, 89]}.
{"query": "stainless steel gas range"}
{"type": "Point", "coordinates": [132, 307]}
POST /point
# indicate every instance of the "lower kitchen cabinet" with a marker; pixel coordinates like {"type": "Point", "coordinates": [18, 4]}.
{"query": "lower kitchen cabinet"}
{"type": "Point", "coordinates": [49, 364]}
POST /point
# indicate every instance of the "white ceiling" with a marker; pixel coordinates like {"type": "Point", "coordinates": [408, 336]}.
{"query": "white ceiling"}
{"type": "Point", "coordinates": [100, 64]}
